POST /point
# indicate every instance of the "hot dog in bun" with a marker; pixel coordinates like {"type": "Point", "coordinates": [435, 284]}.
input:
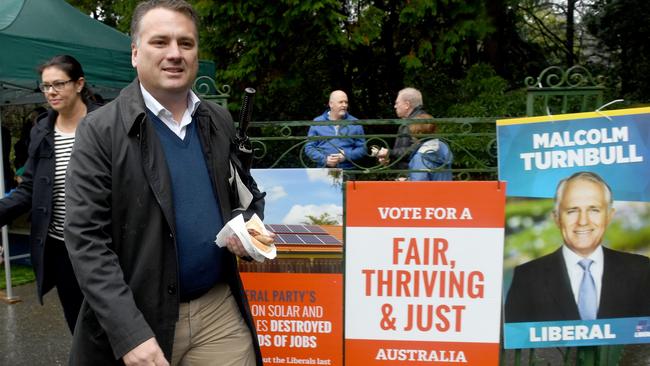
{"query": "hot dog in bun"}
{"type": "Point", "coordinates": [261, 241]}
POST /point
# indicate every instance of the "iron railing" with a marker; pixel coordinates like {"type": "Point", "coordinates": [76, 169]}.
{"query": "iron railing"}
{"type": "Point", "coordinates": [281, 144]}
{"type": "Point", "coordinates": [557, 90]}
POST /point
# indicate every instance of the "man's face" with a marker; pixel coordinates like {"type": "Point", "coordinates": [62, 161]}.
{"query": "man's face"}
{"type": "Point", "coordinates": [338, 105]}
{"type": "Point", "coordinates": [165, 52]}
{"type": "Point", "coordinates": [583, 215]}
{"type": "Point", "coordinates": [402, 107]}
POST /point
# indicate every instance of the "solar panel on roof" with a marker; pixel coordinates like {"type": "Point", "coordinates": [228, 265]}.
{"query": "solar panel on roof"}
{"type": "Point", "coordinates": [296, 229]}
{"type": "Point", "coordinates": [291, 239]}
{"type": "Point", "coordinates": [328, 239]}
{"type": "Point", "coordinates": [315, 229]}
{"type": "Point", "coordinates": [305, 239]}
{"type": "Point", "coordinates": [278, 228]}
{"type": "Point", "coordinates": [270, 227]}
{"type": "Point", "coordinates": [301, 235]}
{"type": "Point", "coordinates": [310, 238]}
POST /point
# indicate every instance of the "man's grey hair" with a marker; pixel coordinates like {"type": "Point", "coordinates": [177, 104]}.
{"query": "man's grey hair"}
{"type": "Point", "coordinates": [590, 176]}
{"type": "Point", "coordinates": [144, 7]}
{"type": "Point", "coordinates": [411, 95]}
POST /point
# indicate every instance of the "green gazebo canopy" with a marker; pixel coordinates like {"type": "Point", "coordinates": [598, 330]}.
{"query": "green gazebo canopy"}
{"type": "Point", "coordinates": [33, 31]}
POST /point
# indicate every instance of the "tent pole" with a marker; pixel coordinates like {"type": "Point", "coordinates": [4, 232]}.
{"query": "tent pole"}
{"type": "Point", "coordinates": [8, 295]}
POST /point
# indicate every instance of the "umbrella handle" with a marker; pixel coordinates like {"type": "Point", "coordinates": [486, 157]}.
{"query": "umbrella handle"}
{"type": "Point", "coordinates": [245, 113]}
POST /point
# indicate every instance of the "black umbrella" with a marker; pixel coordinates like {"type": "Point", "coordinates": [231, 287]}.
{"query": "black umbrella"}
{"type": "Point", "coordinates": [244, 150]}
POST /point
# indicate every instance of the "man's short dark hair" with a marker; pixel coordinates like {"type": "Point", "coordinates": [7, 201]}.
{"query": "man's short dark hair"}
{"type": "Point", "coordinates": [180, 6]}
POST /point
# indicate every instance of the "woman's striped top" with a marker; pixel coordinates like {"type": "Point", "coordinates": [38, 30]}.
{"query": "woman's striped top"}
{"type": "Point", "coordinates": [62, 148]}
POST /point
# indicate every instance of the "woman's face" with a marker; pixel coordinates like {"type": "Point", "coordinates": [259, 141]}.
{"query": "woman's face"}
{"type": "Point", "coordinates": [61, 92]}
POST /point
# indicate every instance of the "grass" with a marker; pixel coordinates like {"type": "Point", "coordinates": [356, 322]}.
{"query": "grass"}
{"type": "Point", "coordinates": [20, 274]}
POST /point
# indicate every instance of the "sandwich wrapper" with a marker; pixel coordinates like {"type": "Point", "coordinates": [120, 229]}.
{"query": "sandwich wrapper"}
{"type": "Point", "coordinates": [237, 226]}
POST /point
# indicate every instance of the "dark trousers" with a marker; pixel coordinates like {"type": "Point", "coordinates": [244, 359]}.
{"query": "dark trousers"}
{"type": "Point", "coordinates": [59, 269]}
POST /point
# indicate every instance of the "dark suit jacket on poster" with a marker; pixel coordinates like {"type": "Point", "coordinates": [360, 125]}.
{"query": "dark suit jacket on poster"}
{"type": "Point", "coordinates": [541, 290]}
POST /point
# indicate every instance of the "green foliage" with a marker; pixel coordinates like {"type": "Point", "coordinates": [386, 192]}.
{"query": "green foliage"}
{"type": "Point", "coordinates": [116, 14]}
{"type": "Point", "coordinates": [277, 47]}
{"type": "Point", "coordinates": [323, 219]}
{"type": "Point", "coordinates": [622, 29]}
{"type": "Point", "coordinates": [482, 93]}
{"type": "Point", "coordinates": [367, 29]}
{"type": "Point", "coordinates": [538, 209]}
{"type": "Point", "coordinates": [296, 52]}
{"type": "Point", "coordinates": [531, 231]}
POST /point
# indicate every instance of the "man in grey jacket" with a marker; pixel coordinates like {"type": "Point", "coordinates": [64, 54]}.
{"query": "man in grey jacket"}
{"type": "Point", "coordinates": [148, 191]}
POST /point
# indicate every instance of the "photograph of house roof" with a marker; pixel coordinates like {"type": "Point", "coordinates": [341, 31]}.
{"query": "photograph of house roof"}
{"type": "Point", "coordinates": [307, 237]}
{"type": "Point", "coordinates": [304, 208]}
{"type": "Point", "coordinates": [310, 196]}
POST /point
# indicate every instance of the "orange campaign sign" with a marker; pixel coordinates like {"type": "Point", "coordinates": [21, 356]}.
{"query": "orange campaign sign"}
{"type": "Point", "coordinates": [423, 272]}
{"type": "Point", "coordinates": [298, 316]}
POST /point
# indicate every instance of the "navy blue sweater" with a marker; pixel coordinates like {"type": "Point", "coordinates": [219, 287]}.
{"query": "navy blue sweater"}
{"type": "Point", "coordinates": [196, 211]}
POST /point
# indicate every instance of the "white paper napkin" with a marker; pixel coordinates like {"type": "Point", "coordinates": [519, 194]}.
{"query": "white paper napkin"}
{"type": "Point", "coordinates": [237, 226]}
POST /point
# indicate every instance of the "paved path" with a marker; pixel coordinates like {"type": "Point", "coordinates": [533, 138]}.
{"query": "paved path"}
{"type": "Point", "coordinates": [31, 334]}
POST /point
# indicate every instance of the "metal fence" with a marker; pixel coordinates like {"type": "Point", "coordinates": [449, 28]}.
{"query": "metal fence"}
{"type": "Point", "coordinates": [281, 144]}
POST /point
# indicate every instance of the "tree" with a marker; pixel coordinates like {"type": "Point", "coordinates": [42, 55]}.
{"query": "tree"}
{"type": "Point", "coordinates": [622, 29]}
{"type": "Point", "coordinates": [509, 49]}
{"type": "Point", "coordinates": [296, 52]}
{"type": "Point", "coordinates": [283, 49]}
{"type": "Point", "coordinates": [116, 14]}
{"type": "Point", "coordinates": [323, 219]}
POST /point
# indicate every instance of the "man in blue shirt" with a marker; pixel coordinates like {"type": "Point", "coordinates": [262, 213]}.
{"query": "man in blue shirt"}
{"type": "Point", "coordinates": [346, 143]}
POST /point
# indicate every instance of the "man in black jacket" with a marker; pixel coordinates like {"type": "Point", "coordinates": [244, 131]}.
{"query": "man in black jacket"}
{"type": "Point", "coordinates": [408, 105]}
{"type": "Point", "coordinates": [149, 191]}
{"type": "Point", "coordinates": [582, 279]}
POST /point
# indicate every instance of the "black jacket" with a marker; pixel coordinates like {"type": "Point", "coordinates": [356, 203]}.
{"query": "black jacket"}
{"type": "Point", "coordinates": [405, 144]}
{"type": "Point", "coordinates": [120, 229]}
{"type": "Point", "coordinates": [35, 193]}
{"type": "Point", "coordinates": [541, 290]}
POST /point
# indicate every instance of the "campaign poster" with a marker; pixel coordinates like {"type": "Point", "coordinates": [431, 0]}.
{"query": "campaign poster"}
{"type": "Point", "coordinates": [535, 153]}
{"type": "Point", "coordinates": [301, 196]}
{"type": "Point", "coordinates": [578, 189]}
{"type": "Point", "coordinates": [423, 272]}
{"type": "Point", "coordinates": [298, 316]}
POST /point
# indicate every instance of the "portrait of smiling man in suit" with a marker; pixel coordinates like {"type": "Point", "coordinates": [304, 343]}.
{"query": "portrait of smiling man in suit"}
{"type": "Point", "coordinates": [582, 279]}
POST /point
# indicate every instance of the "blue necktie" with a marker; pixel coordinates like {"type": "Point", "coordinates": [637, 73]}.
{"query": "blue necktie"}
{"type": "Point", "coordinates": [587, 297]}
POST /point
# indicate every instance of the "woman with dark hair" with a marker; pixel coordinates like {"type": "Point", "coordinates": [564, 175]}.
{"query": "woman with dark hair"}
{"type": "Point", "coordinates": [42, 189]}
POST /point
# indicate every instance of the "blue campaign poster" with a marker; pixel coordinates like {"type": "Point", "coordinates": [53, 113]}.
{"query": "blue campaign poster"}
{"type": "Point", "coordinates": [535, 153]}
{"type": "Point", "coordinates": [578, 333]}
{"type": "Point", "coordinates": [603, 218]}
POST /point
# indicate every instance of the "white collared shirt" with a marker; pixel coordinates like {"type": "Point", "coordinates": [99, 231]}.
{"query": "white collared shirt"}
{"type": "Point", "coordinates": [166, 116]}
{"type": "Point", "coordinates": [575, 272]}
